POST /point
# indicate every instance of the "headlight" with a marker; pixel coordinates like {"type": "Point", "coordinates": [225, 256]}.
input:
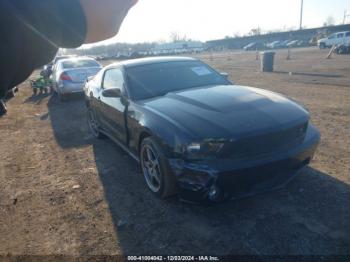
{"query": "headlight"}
{"type": "Point", "coordinates": [194, 147]}
{"type": "Point", "coordinates": [206, 149]}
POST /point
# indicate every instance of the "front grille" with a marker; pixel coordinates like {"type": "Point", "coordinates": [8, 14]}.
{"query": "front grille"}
{"type": "Point", "coordinates": [259, 178]}
{"type": "Point", "coordinates": [266, 143]}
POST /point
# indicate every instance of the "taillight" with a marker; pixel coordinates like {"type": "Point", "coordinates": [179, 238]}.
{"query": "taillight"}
{"type": "Point", "coordinates": [65, 77]}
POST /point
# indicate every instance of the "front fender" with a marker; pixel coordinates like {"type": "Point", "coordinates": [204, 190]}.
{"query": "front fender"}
{"type": "Point", "coordinates": [143, 123]}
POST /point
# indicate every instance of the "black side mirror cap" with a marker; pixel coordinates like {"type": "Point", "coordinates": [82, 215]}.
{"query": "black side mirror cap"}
{"type": "Point", "coordinates": [112, 92]}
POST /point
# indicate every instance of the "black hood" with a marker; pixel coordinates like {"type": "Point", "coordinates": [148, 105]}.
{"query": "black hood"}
{"type": "Point", "coordinates": [228, 111]}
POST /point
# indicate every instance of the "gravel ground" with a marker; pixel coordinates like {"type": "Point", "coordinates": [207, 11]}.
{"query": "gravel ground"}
{"type": "Point", "coordinates": [64, 192]}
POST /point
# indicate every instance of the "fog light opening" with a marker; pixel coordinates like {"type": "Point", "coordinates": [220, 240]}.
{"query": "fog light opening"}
{"type": "Point", "coordinates": [307, 161]}
{"type": "Point", "coordinates": [214, 193]}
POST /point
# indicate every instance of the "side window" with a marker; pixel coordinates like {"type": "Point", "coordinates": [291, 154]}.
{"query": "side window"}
{"type": "Point", "coordinates": [340, 35]}
{"type": "Point", "coordinates": [98, 78]}
{"type": "Point", "coordinates": [113, 79]}
{"type": "Point", "coordinates": [347, 34]}
{"type": "Point", "coordinates": [56, 68]}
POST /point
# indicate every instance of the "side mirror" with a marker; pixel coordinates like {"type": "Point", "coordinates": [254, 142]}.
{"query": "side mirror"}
{"type": "Point", "coordinates": [224, 75]}
{"type": "Point", "coordinates": [112, 92]}
{"type": "Point", "coordinates": [89, 78]}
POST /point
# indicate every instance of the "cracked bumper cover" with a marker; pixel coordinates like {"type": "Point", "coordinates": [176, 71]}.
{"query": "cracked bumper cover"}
{"type": "Point", "coordinates": [237, 178]}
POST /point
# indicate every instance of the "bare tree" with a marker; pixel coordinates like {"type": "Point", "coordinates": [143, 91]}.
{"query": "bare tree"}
{"type": "Point", "coordinates": [177, 37]}
{"type": "Point", "coordinates": [329, 21]}
{"type": "Point", "coordinates": [255, 31]}
{"type": "Point", "coordinates": [174, 36]}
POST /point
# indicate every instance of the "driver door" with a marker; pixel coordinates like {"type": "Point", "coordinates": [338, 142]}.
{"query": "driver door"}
{"type": "Point", "coordinates": [113, 109]}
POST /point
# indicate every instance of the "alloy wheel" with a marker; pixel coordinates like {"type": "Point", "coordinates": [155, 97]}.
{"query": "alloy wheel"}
{"type": "Point", "coordinates": [93, 125]}
{"type": "Point", "coordinates": [151, 168]}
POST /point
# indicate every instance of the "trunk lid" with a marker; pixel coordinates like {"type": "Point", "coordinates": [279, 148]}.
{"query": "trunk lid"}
{"type": "Point", "coordinates": [80, 75]}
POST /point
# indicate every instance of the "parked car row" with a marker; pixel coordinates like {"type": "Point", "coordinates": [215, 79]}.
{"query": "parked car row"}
{"type": "Point", "coordinates": [339, 39]}
{"type": "Point", "coordinates": [274, 45]}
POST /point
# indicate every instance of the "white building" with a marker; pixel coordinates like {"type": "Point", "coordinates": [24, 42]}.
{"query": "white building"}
{"type": "Point", "coordinates": [178, 47]}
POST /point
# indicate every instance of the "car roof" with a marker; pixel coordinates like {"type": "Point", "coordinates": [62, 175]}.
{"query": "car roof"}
{"type": "Point", "coordinates": [76, 58]}
{"type": "Point", "coordinates": [341, 32]}
{"type": "Point", "coordinates": [60, 57]}
{"type": "Point", "coordinates": [152, 60]}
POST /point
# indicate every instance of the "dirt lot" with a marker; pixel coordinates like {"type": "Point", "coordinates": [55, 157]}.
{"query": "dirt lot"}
{"type": "Point", "coordinates": [46, 152]}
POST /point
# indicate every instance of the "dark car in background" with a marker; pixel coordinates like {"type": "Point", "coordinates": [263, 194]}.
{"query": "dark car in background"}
{"type": "Point", "coordinates": [276, 44]}
{"type": "Point", "coordinates": [253, 46]}
{"type": "Point", "coordinates": [197, 134]}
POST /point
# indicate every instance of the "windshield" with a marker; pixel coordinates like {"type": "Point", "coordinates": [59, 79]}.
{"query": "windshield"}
{"type": "Point", "coordinates": [147, 81]}
{"type": "Point", "coordinates": [79, 63]}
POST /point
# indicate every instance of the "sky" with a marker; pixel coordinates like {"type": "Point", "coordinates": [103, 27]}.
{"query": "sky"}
{"type": "Point", "coordinates": [155, 20]}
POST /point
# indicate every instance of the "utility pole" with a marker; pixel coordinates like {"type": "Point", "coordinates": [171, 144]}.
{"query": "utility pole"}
{"type": "Point", "coordinates": [301, 15]}
{"type": "Point", "coordinates": [345, 16]}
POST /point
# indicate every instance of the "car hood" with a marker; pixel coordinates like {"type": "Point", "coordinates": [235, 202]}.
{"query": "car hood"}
{"type": "Point", "coordinates": [227, 111]}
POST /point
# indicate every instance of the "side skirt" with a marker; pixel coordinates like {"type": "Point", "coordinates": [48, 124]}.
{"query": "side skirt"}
{"type": "Point", "coordinates": [121, 146]}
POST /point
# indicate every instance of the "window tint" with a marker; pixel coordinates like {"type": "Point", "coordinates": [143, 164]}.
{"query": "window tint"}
{"type": "Point", "coordinates": [146, 81]}
{"type": "Point", "coordinates": [347, 34]}
{"type": "Point", "coordinates": [331, 37]}
{"type": "Point", "coordinates": [113, 79]}
{"type": "Point", "coordinates": [79, 64]}
{"type": "Point", "coordinates": [340, 35]}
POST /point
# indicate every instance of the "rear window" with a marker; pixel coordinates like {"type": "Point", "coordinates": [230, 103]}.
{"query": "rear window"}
{"type": "Point", "coordinates": [79, 64]}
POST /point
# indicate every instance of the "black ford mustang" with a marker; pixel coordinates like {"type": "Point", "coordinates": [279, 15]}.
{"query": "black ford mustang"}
{"type": "Point", "coordinates": [197, 134]}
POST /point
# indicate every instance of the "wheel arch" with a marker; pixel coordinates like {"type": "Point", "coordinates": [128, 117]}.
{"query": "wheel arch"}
{"type": "Point", "coordinates": [143, 135]}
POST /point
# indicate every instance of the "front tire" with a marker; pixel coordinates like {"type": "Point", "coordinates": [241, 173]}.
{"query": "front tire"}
{"type": "Point", "coordinates": [155, 168]}
{"type": "Point", "coordinates": [93, 125]}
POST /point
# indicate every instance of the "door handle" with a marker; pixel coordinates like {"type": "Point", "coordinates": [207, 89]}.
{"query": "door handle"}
{"type": "Point", "coordinates": [99, 98]}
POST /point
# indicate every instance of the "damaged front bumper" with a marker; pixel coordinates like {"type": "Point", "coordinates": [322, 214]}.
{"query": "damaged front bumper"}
{"type": "Point", "coordinates": [216, 180]}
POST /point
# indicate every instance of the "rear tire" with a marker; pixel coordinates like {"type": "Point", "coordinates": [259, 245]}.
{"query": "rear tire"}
{"type": "Point", "coordinates": [3, 108]}
{"type": "Point", "coordinates": [155, 168]}
{"type": "Point", "coordinates": [322, 45]}
{"type": "Point", "coordinates": [61, 97]}
{"type": "Point", "coordinates": [10, 94]}
{"type": "Point", "coordinates": [340, 51]}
